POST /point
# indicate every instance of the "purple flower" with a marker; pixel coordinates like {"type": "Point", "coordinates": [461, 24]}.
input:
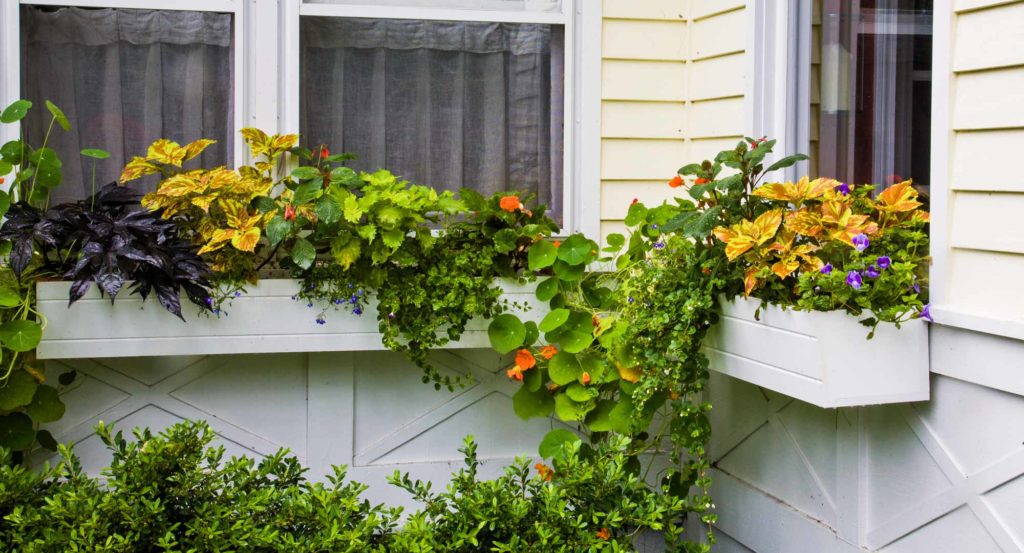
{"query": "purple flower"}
{"type": "Point", "coordinates": [336, 301]}
{"type": "Point", "coordinates": [884, 262]}
{"type": "Point", "coordinates": [659, 245]}
{"type": "Point", "coordinates": [872, 272]}
{"type": "Point", "coordinates": [357, 311]}
{"type": "Point", "coordinates": [843, 188]}
{"type": "Point", "coordinates": [353, 300]}
{"type": "Point", "coordinates": [861, 242]}
{"type": "Point", "coordinates": [926, 313]}
{"type": "Point", "coordinates": [827, 269]}
{"type": "Point", "coordinates": [209, 301]}
{"type": "Point", "coordinates": [321, 320]}
{"type": "Point", "coordinates": [630, 299]}
{"type": "Point", "coordinates": [310, 304]}
{"type": "Point", "coordinates": [238, 294]}
{"type": "Point", "coordinates": [854, 280]}
{"type": "Point", "coordinates": [917, 288]}
{"type": "Point", "coordinates": [391, 315]}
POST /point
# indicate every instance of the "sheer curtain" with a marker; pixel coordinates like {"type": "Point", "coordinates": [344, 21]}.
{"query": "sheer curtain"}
{"type": "Point", "coordinates": [126, 78]}
{"type": "Point", "coordinates": [502, 5]}
{"type": "Point", "coordinates": [448, 104]}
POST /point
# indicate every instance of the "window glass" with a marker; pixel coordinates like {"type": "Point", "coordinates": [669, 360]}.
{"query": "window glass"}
{"type": "Point", "coordinates": [502, 5]}
{"type": "Point", "coordinates": [441, 103]}
{"type": "Point", "coordinates": [871, 90]}
{"type": "Point", "coordinates": [126, 78]}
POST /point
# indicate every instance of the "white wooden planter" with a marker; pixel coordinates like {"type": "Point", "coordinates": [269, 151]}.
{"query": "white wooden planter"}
{"type": "Point", "coordinates": [822, 358]}
{"type": "Point", "coordinates": [265, 320]}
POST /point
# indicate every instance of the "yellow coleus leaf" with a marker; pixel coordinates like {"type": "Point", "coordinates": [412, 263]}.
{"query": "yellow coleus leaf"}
{"type": "Point", "coordinates": [257, 140]}
{"type": "Point", "coordinates": [195, 148]}
{"type": "Point", "coordinates": [784, 268]}
{"type": "Point", "coordinates": [738, 246]}
{"type": "Point", "coordinates": [922, 216]}
{"type": "Point", "coordinates": [236, 213]}
{"type": "Point", "coordinates": [842, 224]}
{"type": "Point", "coordinates": [136, 168]}
{"type": "Point", "coordinates": [203, 202]}
{"type": "Point", "coordinates": [796, 193]}
{"type": "Point", "coordinates": [218, 239]}
{"type": "Point", "coordinates": [180, 185]}
{"type": "Point", "coordinates": [897, 198]}
{"type": "Point", "coordinates": [167, 152]}
{"type": "Point", "coordinates": [804, 221]}
{"type": "Point", "coordinates": [750, 281]}
{"type": "Point", "coordinates": [280, 143]}
{"type": "Point", "coordinates": [747, 234]}
{"type": "Point", "coordinates": [154, 201]}
{"type": "Point", "coordinates": [246, 241]}
{"type": "Point", "coordinates": [767, 224]}
{"type": "Point", "coordinates": [221, 177]}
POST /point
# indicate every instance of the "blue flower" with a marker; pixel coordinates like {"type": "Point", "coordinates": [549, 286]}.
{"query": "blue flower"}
{"type": "Point", "coordinates": [827, 269]}
{"type": "Point", "coordinates": [854, 280]}
{"type": "Point", "coordinates": [321, 320]}
{"type": "Point", "coordinates": [357, 311]}
{"type": "Point", "coordinates": [209, 301]}
{"type": "Point", "coordinates": [884, 262]}
{"type": "Point", "coordinates": [843, 188]}
{"type": "Point", "coordinates": [310, 304]}
{"type": "Point", "coordinates": [917, 288]}
{"type": "Point", "coordinates": [861, 242]}
{"type": "Point", "coordinates": [659, 245]}
{"type": "Point", "coordinates": [391, 315]}
{"type": "Point", "coordinates": [353, 300]}
{"type": "Point", "coordinates": [872, 272]}
{"type": "Point", "coordinates": [238, 294]}
{"type": "Point", "coordinates": [926, 313]}
{"type": "Point", "coordinates": [630, 299]}
{"type": "Point", "coordinates": [336, 301]}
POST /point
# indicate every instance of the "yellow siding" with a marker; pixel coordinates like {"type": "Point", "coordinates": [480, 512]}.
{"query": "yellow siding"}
{"type": "Point", "coordinates": [673, 85]}
{"type": "Point", "coordinates": [986, 247]}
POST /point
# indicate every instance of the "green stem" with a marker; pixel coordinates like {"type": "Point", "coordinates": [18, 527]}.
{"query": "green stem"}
{"type": "Point", "coordinates": [35, 175]}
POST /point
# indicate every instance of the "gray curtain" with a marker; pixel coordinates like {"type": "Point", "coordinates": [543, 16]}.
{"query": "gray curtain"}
{"type": "Point", "coordinates": [126, 78]}
{"type": "Point", "coordinates": [447, 104]}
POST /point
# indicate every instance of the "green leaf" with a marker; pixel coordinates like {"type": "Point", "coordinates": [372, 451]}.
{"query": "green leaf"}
{"type": "Point", "coordinates": [554, 319]}
{"type": "Point", "coordinates": [542, 254]}
{"type": "Point", "coordinates": [353, 211]}
{"type": "Point", "coordinates": [20, 335]}
{"type": "Point", "coordinates": [636, 214]}
{"type": "Point", "coordinates": [599, 420]}
{"type": "Point", "coordinates": [16, 432]}
{"type": "Point", "coordinates": [46, 405]}
{"type": "Point", "coordinates": [303, 253]}
{"type": "Point", "coordinates": [328, 210]}
{"type": "Point", "coordinates": [62, 119]}
{"type": "Point", "coordinates": [530, 404]}
{"type": "Point", "coordinates": [569, 410]}
{"type": "Point", "coordinates": [575, 335]}
{"type": "Point", "coordinates": [346, 177]}
{"type": "Point", "coordinates": [577, 250]}
{"type": "Point", "coordinates": [580, 393]}
{"type": "Point", "coordinates": [555, 440]}
{"type": "Point", "coordinates": [367, 232]}
{"type": "Point", "coordinates": [532, 333]}
{"type": "Point", "coordinates": [95, 153]}
{"type": "Point", "coordinates": [702, 226]}
{"type": "Point", "coordinates": [393, 238]}
{"type": "Point", "coordinates": [13, 152]}
{"type": "Point", "coordinates": [46, 440]}
{"type": "Point", "coordinates": [615, 240]}
{"type": "Point", "coordinates": [690, 169]}
{"type": "Point", "coordinates": [5, 203]}
{"type": "Point", "coordinates": [307, 192]}
{"type": "Point", "coordinates": [620, 418]}
{"type": "Point", "coordinates": [506, 333]}
{"type": "Point", "coordinates": [505, 240]}
{"type": "Point", "coordinates": [277, 229]}
{"type": "Point", "coordinates": [787, 161]}
{"type": "Point", "coordinates": [547, 289]}
{"type": "Point", "coordinates": [679, 221]}
{"type": "Point", "coordinates": [9, 297]}
{"type": "Point", "coordinates": [567, 272]}
{"type": "Point", "coordinates": [5, 167]}
{"type": "Point", "coordinates": [534, 379]}
{"type": "Point", "coordinates": [264, 204]}
{"type": "Point", "coordinates": [305, 173]}
{"type": "Point", "coordinates": [564, 368]}
{"type": "Point", "coordinates": [18, 391]}
{"type": "Point", "coordinates": [15, 111]}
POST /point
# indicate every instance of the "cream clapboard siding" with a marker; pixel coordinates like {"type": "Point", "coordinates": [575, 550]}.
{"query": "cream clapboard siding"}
{"type": "Point", "coordinates": [986, 255]}
{"type": "Point", "coordinates": [672, 93]}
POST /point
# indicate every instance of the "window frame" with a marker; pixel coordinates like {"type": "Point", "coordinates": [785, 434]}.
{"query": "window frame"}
{"type": "Point", "coordinates": [10, 51]}
{"type": "Point", "coordinates": [581, 139]}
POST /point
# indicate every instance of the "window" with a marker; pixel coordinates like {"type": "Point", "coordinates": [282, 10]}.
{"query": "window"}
{"type": "Point", "coordinates": [126, 77]}
{"type": "Point", "coordinates": [461, 93]}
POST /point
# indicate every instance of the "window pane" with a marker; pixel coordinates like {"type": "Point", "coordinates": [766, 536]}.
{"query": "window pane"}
{"type": "Point", "coordinates": [442, 103]}
{"type": "Point", "coordinates": [871, 91]}
{"type": "Point", "coordinates": [126, 78]}
{"type": "Point", "coordinates": [500, 5]}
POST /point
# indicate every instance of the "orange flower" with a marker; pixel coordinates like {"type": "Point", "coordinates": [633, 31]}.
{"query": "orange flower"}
{"type": "Point", "coordinates": [1, 180]}
{"type": "Point", "coordinates": [676, 181]}
{"type": "Point", "coordinates": [515, 373]}
{"type": "Point", "coordinates": [525, 360]}
{"type": "Point", "coordinates": [604, 534]}
{"type": "Point", "coordinates": [595, 320]}
{"type": "Point", "coordinates": [544, 471]}
{"type": "Point", "coordinates": [547, 352]}
{"type": "Point", "coordinates": [585, 379]}
{"type": "Point", "coordinates": [510, 203]}
{"type": "Point", "coordinates": [557, 243]}
{"type": "Point", "coordinates": [701, 180]}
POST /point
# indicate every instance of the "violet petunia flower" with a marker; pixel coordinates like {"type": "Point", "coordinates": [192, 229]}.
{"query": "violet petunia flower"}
{"type": "Point", "coordinates": [861, 242]}
{"type": "Point", "coordinates": [854, 280]}
{"type": "Point", "coordinates": [872, 272]}
{"type": "Point", "coordinates": [884, 262]}
{"type": "Point", "coordinates": [843, 188]}
{"type": "Point", "coordinates": [926, 313]}
{"type": "Point", "coordinates": [827, 269]}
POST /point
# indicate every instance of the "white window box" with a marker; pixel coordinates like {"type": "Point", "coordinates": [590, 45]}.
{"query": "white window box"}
{"type": "Point", "coordinates": [822, 358]}
{"type": "Point", "coordinates": [264, 320]}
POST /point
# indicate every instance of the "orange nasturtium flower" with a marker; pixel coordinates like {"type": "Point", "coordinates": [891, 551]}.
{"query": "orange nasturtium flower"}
{"type": "Point", "coordinates": [525, 360]}
{"type": "Point", "coordinates": [701, 180]}
{"type": "Point", "coordinates": [544, 471]}
{"type": "Point", "coordinates": [585, 379]}
{"type": "Point", "coordinates": [676, 181]}
{"type": "Point", "coordinates": [604, 534]}
{"type": "Point", "coordinates": [510, 203]}
{"type": "Point", "coordinates": [557, 243]}
{"type": "Point", "coordinates": [515, 373]}
{"type": "Point", "coordinates": [547, 352]}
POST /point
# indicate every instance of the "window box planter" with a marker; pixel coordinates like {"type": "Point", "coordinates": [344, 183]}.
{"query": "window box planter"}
{"type": "Point", "coordinates": [265, 320]}
{"type": "Point", "coordinates": [822, 358]}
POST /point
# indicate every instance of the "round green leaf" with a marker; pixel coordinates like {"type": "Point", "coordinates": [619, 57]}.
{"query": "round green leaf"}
{"type": "Point", "coordinates": [5, 203]}
{"type": "Point", "coordinates": [17, 391]}
{"type": "Point", "coordinates": [554, 319]}
{"type": "Point", "coordinates": [505, 240]}
{"type": "Point", "coordinates": [564, 368]}
{"type": "Point", "coordinates": [599, 420]}
{"type": "Point", "coordinates": [506, 333]}
{"type": "Point", "coordinates": [615, 240]}
{"type": "Point", "coordinates": [547, 289]}
{"type": "Point", "coordinates": [46, 440]}
{"type": "Point", "coordinates": [307, 192]}
{"type": "Point", "coordinates": [15, 111]}
{"type": "Point", "coordinates": [569, 410]}
{"type": "Point", "coordinates": [532, 333]}
{"type": "Point", "coordinates": [534, 379]}
{"type": "Point", "coordinates": [5, 168]}
{"type": "Point", "coordinates": [20, 335]}
{"type": "Point", "coordinates": [555, 440]}
{"type": "Point", "coordinates": [579, 392]}
{"type": "Point", "coordinates": [46, 405]}
{"type": "Point", "coordinates": [9, 297]}
{"type": "Point", "coordinates": [620, 418]}
{"type": "Point", "coordinates": [16, 432]}
{"type": "Point", "coordinates": [13, 152]}
{"type": "Point", "coordinates": [527, 404]}
{"type": "Point", "coordinates": [567, 272]}
{"type": "Point", "coordinates": [542, 254]}
{"type": "Point", "coordinates": [62, 119]}
{"type": "Point", "coordinates": [303, 253]}
{"type": "Point", "coordinates": [577, 250]}
{"type": "Point", "coordinates": [575, 335]}
{"type": "Point", "coordinates": [95, 153]}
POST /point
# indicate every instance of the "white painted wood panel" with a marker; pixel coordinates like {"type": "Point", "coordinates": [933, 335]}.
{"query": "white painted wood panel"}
{"type": "Point", "coordinates": [718, 35]}
{"type": "Point", "coordinates": [643, 119]}
{"type": "Point", "coordinates": [988, 221]}
{"type": "Point", "coordinates": [647, 9]}
{"type": "Point", "coordinates": [722, 77]}
{"type": "Point", "coordinates": [645, 40]}
{"type": "Point", "coordinates": [975, 165]}
{"type": "Point", "coordinates": [989, 99]}
{"type": "Point", "coordinates": [990, 38]}
{"type": "Point", "coordinates": [701, 9]}
{"type": "Point", "coordinates": [616, 196]}
{"type": "Point", "coordinates": [985, 284]}
{"type": "Point", "coordinates": [967, 5]}
{"type": "Point", "coordinates": [643, 80]}
{"type": "Point", "coordinates": [716, 118]}
{"type": "Point", "coordinates": [641, 159]}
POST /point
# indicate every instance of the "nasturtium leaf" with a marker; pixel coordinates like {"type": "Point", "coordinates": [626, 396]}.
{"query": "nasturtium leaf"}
{"type": "Point", "coordinates": [620, 418]}
{"type": "Point", "coordinates": [530, 404]}
{"type": "Point", "coordinates": [615, 241]}
{"type": "Point", "coordinates": [328, 210]}
{"type": "Point", "coordinates": [95, 153]}
{"type": "Point", "coordinates": [580, 393]}
{"type": "Point", "coordinates": [15, 111]}
{"type": "Point", "coordinates": [20, 335]}
{"type": "Point", "coordinates": [18, 391]}
{"type": "Point", "coordinates": [532, 333]}
{"type": "Point", "coordinates": [577, 250]}
{"type": "Point", "coordinates": [564, 368]}
{"type": "Point", "coordinates": [49, 176]}
{"type": "Point", "coordinates": [46, 440]}
{"type": "Point", "coordinates": [305, 173]}
{"type": "Point", "coordinates": [575, 335]}
{"type": "Point", "coordinates": [9, 297]}
{"type": "Point", "coordinates": [599, 420]}
{"type": "Point", "coordinates": [62, 119]}
{"type": "Point", "coordinates": [569, 410]}
{"type": "Point", "coordinates": [567, 272]}
{"type": "Point", "coordinates": [5, 167]}
{"type": "Point", "coordinates": [554, 319]}
{"type": "Point", "coordinates": [541, 254]}
{"type": "Point", "coordinates": [13, 152]}
{"type": "Point", "coordinates": [303, 253]}
{"type": "Point", "coordinates": [506, 333]}
{"type": "Point", "coordinates": [534, 379]}
{"type": "Point", "coordinates": [505, 240]}
{"type": "Point", "coordinates": [46, 405]}
{"type": "Point", "coordinates": [555, 440]}
{"type": "Point", "coordinates": [547, 289]}
{"type": "Point", "coordinates": [277, 229]}
{"type": "Point", "coordinates": [636, 214]}
{"type": "Point", "coordinates": [16, 432]}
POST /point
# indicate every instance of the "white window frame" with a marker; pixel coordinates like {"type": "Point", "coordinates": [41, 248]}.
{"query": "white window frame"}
{"type": "Point", "coordinates": [10, 50]}
{"type": "Point", "coordinates": [582, 142]}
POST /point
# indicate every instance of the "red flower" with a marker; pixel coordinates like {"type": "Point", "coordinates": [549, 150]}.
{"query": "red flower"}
{"type": "Point", "coordinates": [324, 152]}
{"type": "Point", "coordinates": [701, 180]}
{"type": "Point", "coordinates": [289, 212]}
{"type": "Point", "coordinates": [515, 373]}
{"type": "Point", "coordinates": [676, 181]}
{"type": "Point", "coordinates": [544, 471]}
{"type": "Point", "coordinates": [585, 379]}
{"type": "Point", "coordinates": [635, 200]}
{"type": "Point", "coordinates": [510, 203]}
{"type": "Point", "coordinates": [604, 534]}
